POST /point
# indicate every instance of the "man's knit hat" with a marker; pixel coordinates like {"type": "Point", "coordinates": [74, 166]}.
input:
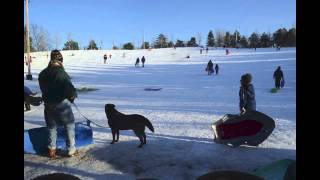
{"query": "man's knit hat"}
{"type": "Point", "coordinates": [56, 55]}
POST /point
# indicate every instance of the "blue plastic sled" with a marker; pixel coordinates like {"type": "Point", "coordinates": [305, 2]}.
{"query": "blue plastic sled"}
{"type": "Point", "coordinates": [36, 139]}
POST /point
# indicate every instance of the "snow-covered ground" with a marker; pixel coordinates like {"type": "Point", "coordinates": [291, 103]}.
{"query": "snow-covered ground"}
{"type": "Point", "coordinates": [181, 112]}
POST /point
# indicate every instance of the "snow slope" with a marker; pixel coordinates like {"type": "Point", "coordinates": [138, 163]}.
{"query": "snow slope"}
{"type": "Point", "coordinates": [182, 111]}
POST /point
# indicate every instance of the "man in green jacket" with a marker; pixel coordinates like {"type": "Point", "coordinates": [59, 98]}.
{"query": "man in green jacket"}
{"type": "Point", "coordinates": [57, 93]}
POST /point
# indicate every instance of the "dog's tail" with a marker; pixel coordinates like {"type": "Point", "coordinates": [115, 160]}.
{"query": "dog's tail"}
{"type": "Point", "coordinates": [148, 124]}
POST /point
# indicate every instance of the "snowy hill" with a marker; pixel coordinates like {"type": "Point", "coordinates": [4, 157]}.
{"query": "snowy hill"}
{"type": "Point", "coordinates": [182, 111]}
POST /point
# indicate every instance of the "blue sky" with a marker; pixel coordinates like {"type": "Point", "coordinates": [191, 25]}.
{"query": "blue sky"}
{"type": "Point", "coordinates": [125, 21]}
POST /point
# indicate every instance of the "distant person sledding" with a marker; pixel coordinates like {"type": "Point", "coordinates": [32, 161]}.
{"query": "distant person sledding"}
{"type": "Point", "coordinates": [250, 127]}
{"type": "Point", "coordinates": [209, 67]}
{"type": "Point", "coordinates": [137, 62]}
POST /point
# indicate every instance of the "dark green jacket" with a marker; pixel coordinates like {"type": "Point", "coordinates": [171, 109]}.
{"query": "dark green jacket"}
{"type": "Point", "coordinates": [55, 84]}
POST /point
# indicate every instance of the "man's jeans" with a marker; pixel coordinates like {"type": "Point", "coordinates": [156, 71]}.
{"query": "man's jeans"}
{"type": "Point", "coordinates": [60, 115]}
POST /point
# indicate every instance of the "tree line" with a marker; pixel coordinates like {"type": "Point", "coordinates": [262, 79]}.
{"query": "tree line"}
{"type": "Point", "coordinates": [282, 37]}
{"type": "Point", "coordinates": [40, 41]}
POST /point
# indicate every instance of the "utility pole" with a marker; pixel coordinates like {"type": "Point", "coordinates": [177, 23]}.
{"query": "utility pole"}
{"type": "Point", "coordinates": [29, 75]}
{"type": "Point", "coordinates": [236, 44]}
{"type": "Point", "coordinates": [236, 36]}
{"type": "Point", "coordinates": [144, 47]}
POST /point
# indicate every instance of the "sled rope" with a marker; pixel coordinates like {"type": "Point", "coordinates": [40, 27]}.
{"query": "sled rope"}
{"type": "Point", "coordinates": [88, 120]}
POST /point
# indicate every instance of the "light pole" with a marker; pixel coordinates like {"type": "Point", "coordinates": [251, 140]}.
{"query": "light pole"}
{"type": "Point", "coordinates": [143, 45]}
{"type": "Point", "coordinates": [29, 75]}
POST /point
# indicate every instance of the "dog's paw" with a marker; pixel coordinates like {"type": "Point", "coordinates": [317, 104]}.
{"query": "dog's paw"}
{"type": "Point", "coordinates": [112, 142]}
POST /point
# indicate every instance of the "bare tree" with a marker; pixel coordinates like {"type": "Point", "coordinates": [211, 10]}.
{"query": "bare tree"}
{"type": "Point", "coordinates": [69, 36]}
{"type": "Point", "coordinates": [57, 40]}
{"type": "Point", "coordinates": [44, 41]}
{"type": "Point", "coordinates": [40, 37]}
{"type": "Point", "coordinates": [35, 35]}
{"type": "Point", "coordinates": [69, 40]}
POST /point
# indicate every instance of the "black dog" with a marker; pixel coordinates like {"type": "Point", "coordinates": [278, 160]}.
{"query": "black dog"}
{"type": "Point", "coordinates": [34, 101]}
{"type": "Point", "coordinates": [118, 121]}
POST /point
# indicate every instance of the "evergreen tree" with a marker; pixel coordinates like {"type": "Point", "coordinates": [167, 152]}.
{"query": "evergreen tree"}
{"type": "Point", "coordinates": [179, 43]}
{"type": "Point", "coordinates": [192, 42]}
{"type": "Point", "coordinates": [170, 44]}
{"type": "Point", "coordinates": [210, 41]}
{"type": "Point", "coordinates": [243, 42]}
{"type": "Point", "coordinates": [265, 40]}
{"type": "Point", "coordinates": [92, 45]}
{"type": "Point", "coordinates": [291, 39]}
{"type": "Point", "coordinates": [280, 37]}
{"type": "Point", "coordinates": [161, 41]}
{"type": "Point", "coordinates": [220, 37]}
{"type": "Point", "coordinates": [71, 45]}
{"type": "Point", "coordinates": [146, 45]}
{"type": "Point", "coordinates": [227, 39]}
{"type": "Point", "coordinates": [128, 46]}
{"type": "Point", "coordinates": [235, 39]}
{"type": "Point", "coordinates": [254, 40]}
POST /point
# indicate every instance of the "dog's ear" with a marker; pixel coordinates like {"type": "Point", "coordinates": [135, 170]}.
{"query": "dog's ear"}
{"type": "Point", "coordinates": [109, 106]}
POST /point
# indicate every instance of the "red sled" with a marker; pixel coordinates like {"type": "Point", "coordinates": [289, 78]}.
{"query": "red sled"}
{"type": "Point", "coordinates": [250, 128]}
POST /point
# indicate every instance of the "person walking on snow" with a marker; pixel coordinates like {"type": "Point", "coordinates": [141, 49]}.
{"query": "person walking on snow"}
{"type": "Point", "coordinates": [137, 62]}
{"type": "Point", "coordinates": [57, 93]}
{"type": "Point", "coordinates": [217, 68]}
{"type": "Point", "coordinates": [143, 60]}
{"type": "Point", "coordinates": [105, 57]}
{"type": "Point", "coordinates": [246, 94]}
{"type": "Point", "coordinates": [209, 67]}
{"type": "Point", "coordinates": [227, 52]}
{"type": "Point", "coordinates": [278, 77]}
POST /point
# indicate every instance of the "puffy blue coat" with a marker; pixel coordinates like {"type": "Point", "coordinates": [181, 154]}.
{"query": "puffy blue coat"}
{"type": "Point", "coordinates": [247, 98]}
